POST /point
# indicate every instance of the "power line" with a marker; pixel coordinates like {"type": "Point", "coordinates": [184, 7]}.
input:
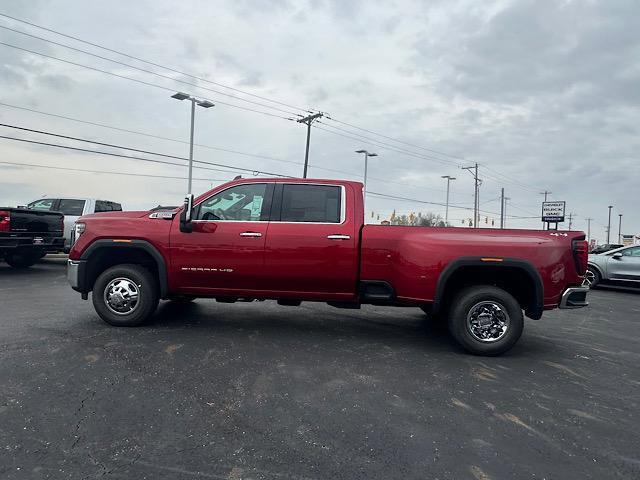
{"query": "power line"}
{"type": "Point", "coordinates": [151, 72]}
{"type": "Point", "coordinates": [132, 157]}
{"type": "Point", "coordinates": [395, 197]}
{"type": "Point", "coordinates": [378, 144]}
{"type": "Point", "coordinates": [236, 152]}
{"type": "Point", "coordinates": [150, 135]}
{"type": "Point", "coordinates": [77, 39]}
{"type": "Point", "coordinates": [395, 140]}
{"type": "Point", "coordinates": [111, 145]}
{"type": "Point", "coordinates": [109, 172]}
{"type": "Point", "coordinates": [143, 82]}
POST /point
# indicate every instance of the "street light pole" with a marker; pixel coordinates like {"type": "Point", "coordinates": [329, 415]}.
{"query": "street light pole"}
{"type": "Point", "coordinates": [620, 229]}
{"type": "Point", "coordinates": [366, 164]}
{"type": "Point", "coordinates": [609, 225]}
{"type": "Point", "coordinates": [545, 193]}
{"type": "Point", "coordinates": [446, 212]}
{"type": "Point", "coordinates": [201, 103]}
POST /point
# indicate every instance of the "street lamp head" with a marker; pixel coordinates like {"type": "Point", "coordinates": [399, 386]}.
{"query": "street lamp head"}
{"type": "Point", "coordinates": [205, 103]}
{"type": "Point", "coordinates": [361, 151]}
{"type": "Point", "coordinates": [372, 154]}
{"type": "Point", "coordinates": [180, 96]}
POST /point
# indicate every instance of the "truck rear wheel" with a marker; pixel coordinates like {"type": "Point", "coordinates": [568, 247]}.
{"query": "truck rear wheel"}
{"type": "Point", "coordinates": [21, 260]}
{"type": "Point", "coordinates": [125, 295]}
{"type": "Point", "coordinates": [486, 320]}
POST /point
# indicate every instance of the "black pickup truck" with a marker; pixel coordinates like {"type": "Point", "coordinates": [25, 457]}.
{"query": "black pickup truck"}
{"type": "Point", "coordinates": [28, 235]}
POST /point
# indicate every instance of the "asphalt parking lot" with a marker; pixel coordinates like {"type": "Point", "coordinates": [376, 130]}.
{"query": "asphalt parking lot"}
{"type": "Point", "coordinates": [260, 391]}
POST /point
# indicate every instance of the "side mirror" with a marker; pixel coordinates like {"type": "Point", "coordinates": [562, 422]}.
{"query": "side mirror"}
{"type": "Point", "coordinates": [186, 215]}
{"type": "Point", "coordinates": [617, 256]}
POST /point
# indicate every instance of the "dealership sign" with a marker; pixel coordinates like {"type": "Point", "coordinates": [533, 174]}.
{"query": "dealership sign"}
{"type": "Point", "coordinates": [553, 212]}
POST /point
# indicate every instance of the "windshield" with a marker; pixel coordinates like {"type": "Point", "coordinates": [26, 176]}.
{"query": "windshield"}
{"type": "Point", "coordinates": [45, 204]}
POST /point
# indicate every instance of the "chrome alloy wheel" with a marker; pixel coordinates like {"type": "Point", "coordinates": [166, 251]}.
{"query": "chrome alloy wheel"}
{"type": "Point", "coordinates": [589, 278]}
{"type": "Point", "coordinates": [488, 321]}
{"type": "Point", "coordinates": [121, 296]}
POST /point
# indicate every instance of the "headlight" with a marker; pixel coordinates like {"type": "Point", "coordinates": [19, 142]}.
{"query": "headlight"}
{"type": "Point", "coordinates": [79, 229]}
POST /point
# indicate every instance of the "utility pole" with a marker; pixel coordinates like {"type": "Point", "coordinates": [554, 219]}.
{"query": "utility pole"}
{"type": "Point", "coordinates": [571, 217]}
{"type": "Point", "coordinates": [620, 229]}
{"type": "Point", "coordinates": [589, 229]}
{"type": "Point", "coordinates": [505, 210]}
{"type": "Point", "coordinates": [307, 121]}
{"type": "Point", "coordinates": [609, 224]}
{"type": "Point", "coordinates": [502, 208]}
{"type": "Point", "coordinates": [446, 212]}
{"type": "Point", "coordinates": [476, 205]}
{"type": "Point", "coordinates": [545, 193]}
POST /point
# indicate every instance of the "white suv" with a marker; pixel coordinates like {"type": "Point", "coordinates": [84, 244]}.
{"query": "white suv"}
{"type": "Point", "coordinates": [72, 209]}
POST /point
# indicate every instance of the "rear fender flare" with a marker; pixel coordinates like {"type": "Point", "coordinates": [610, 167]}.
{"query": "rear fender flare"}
{"type": "Point", "coordinates": [533, 311]}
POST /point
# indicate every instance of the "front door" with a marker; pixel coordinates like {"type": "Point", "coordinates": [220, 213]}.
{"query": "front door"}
{"type": "Point", "coordinates": [626, 267]}
{"type": "Point", "coordinates": [225, 252]}
{"type": "Point", "coordinates": [312, 242]}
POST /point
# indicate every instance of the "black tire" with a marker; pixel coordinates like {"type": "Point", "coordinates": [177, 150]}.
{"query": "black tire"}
{"type": "Point", "coordinates": [20, 260]}
{"type": "Point", "coordinates": [502, 304]}
{"type": "Point", "coordinates": [592, 277]}
{"type": "Point", "coordinates": [136, 277]}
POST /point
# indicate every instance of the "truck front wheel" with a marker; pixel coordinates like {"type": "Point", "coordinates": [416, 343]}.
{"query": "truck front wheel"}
{"type": "Point", "coordinates": [485, 320]}
{"type": "Point", "coordinates": [125, 295]}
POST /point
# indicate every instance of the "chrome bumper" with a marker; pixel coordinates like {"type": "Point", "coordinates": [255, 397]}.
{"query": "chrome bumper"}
{"type": "Point", "coordinates": [574, 297]}
{"type": "Point", "coordinates": [72, 273]}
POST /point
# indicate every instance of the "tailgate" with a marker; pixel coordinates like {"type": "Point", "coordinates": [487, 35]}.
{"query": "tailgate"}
{"type": "Point", "coordinates": [34, 221]}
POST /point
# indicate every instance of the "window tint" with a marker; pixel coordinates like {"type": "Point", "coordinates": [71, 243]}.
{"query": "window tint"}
{"type": "Point", "coordinates": [44, 204]}
{"type": "Point", "coordinates": [116, 207]}
{"type": "Point", "coordinates": [240, 203]}
{"type": "Point", "coordinates": [102, 206]}
{"type": "Point", "coordinates": [71, 207]}
{"type": "Point", "coordinates": [311, 203]}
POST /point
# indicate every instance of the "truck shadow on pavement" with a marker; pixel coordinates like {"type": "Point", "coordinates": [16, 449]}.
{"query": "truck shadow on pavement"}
{"type": "Point", "coordinates": [318, 324]}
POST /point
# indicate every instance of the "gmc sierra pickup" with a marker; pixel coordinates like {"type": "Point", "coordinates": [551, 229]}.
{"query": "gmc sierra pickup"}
{"type": "Point", "coordinates": [297, 240]}
{"type": "Point", "coordinates": [26, 235]}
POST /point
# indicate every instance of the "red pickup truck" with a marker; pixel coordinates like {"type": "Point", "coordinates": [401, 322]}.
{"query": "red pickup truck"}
{"type": "Point", "coordinates": [295, 240]}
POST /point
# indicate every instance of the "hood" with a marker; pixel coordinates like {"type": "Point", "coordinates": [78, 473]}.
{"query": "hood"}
{"type": "Point", "coordinates": [130, 214]}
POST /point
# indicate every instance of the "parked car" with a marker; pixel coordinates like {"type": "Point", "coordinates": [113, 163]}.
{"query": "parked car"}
{"type": "Point", "coordinates": [72, 209]}
{"type": "Point", "coordinates": [605, 248]}
{"type": "Point", "coordinates": [619, 265]}
{"type": "Point", "coordinates": [26, 236]}
{"type": "Point", "coordinates": [297, 240]}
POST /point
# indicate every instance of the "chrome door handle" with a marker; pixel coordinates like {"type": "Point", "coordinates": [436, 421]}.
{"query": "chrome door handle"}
{"type": "Point", "coordinates": [338, 237]}
{"type": "Point", "coordinates": [250, 234]}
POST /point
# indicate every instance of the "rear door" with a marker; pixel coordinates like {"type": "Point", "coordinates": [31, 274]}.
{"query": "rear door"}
{"type": "Point", "coordinates": [224, 254]}
{"type": "Point", "coordinates": [312, 241]}
{"type": "Point", "coordinates": [627, 267]}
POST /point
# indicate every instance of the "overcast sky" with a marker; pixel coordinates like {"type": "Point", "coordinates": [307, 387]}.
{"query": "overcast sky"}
{"type": "Point", "coordinates": [543, 94]}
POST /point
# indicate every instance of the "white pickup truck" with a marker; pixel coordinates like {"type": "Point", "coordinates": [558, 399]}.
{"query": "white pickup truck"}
{"type": "Point", "coordinates": [72, 209]}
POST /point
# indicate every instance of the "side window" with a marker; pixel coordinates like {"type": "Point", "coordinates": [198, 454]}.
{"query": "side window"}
{"type": "Point", "coordinates": [631, 252]}
{"type": "Point", "coordinates": [240, 203]}
{"type": "Point", "coordinates": [116, 207]}
{"type": "Point", "coordinates": [311, 203]}
{"type": "Point", "coordinates": [71, 207]}
{"type": "Point", "coordinates": [44, 204]}
{"type": "Point", "coordinates": [102, 206]}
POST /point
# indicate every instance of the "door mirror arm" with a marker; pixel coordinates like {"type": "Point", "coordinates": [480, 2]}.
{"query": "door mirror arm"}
{"type": "Point", "coordinates": [617, 256]}
{"type": "Point", "coordinates": [186, 216]}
